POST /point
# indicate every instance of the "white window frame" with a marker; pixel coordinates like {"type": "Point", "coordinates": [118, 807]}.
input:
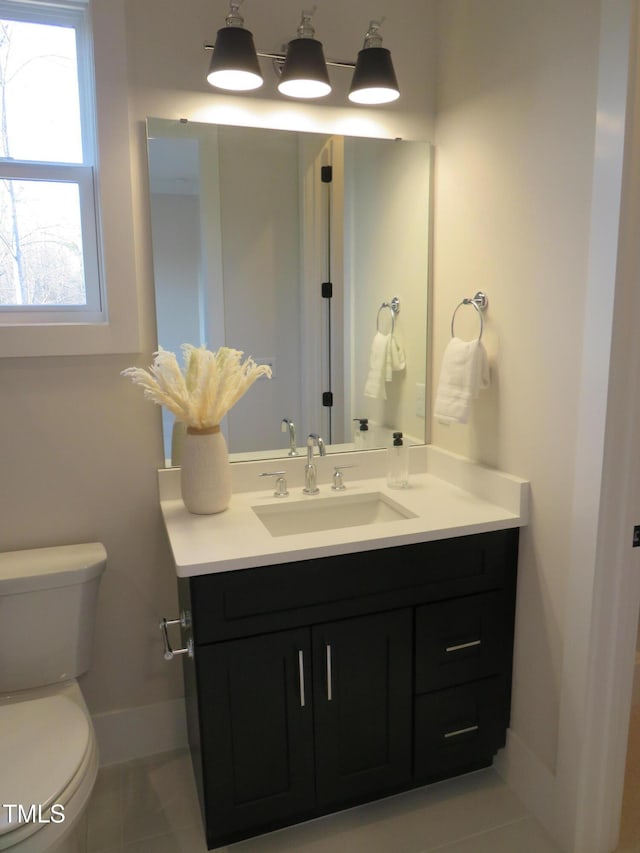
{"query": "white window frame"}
{"type": "Point", "coordinates": [81, 174]}
{"type": "Point", "coordinates": [109, 323]}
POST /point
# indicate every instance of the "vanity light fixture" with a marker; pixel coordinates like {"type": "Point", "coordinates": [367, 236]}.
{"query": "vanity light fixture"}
{"type": "Point", "coordinates": [302, 69]}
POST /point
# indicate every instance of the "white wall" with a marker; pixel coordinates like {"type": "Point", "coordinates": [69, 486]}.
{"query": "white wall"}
{"type": "Point", "coordinates": [516, 118]}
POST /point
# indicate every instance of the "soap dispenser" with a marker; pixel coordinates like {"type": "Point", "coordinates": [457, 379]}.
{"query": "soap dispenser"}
{"type": "Point", "coordinates": [398, 464]}
{"type": "Point", "coordinates": [361, 437]}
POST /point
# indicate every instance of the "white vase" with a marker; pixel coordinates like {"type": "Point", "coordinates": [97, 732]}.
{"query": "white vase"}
{"type": "Point", "coordinates": [205, 475]}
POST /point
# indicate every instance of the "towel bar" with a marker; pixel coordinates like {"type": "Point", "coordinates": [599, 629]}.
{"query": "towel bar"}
{"type": "Point", "coordinates": [479, 302]}
{"type": "Point", "coordinates": [394, 308]}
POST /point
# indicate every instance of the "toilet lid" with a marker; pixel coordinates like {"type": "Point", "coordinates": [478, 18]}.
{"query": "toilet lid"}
{"type": "Point", "coordinates": [42, 744]}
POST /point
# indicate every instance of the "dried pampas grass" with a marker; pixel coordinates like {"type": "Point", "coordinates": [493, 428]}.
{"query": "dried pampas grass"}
{"type": "Point", "coordinates": [201, 394]}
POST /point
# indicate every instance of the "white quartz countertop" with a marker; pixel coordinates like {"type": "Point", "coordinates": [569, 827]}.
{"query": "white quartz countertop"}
{"type": "Point", "coordinates": [237, 538]}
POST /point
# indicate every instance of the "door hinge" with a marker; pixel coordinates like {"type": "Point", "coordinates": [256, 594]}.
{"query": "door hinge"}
{"type": "Point", "coordinates": [327, 289]}
{"type": "Point", "coordinates": [326, 174]}
{"type": "Point", "coordinates": [327, 399]}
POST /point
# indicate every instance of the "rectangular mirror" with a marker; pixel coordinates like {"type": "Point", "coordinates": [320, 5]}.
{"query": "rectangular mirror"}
{"type": "Point", "coordinates": [291, 247]}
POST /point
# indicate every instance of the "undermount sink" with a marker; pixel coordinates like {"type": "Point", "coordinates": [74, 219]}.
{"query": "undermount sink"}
{"type": "Point", "coordinates": [331, 513]}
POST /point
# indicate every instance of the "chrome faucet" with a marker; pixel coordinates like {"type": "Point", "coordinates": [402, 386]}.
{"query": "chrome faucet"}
{"type": "Point", "coordinates": [310, 487]}
{"type": "Point", "coordinates": [289, 425]}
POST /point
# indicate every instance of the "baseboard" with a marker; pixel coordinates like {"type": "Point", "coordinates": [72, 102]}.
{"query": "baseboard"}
{"type": "Point", "coordinates": [136, 732]}
{"type": "Point", "coordinates": [529, 779]}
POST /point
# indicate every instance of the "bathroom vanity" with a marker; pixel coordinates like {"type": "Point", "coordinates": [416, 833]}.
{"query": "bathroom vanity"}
{"type": "Point", "coordinates": [335, 667]}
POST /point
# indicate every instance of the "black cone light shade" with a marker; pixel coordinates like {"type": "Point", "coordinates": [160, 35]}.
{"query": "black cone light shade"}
{"type": "Point", "coordinates": [304, 74]}
{"type": "Point", "coordinates": [234, 64]}
{"type": "Point", "coordinates": [374, 79]}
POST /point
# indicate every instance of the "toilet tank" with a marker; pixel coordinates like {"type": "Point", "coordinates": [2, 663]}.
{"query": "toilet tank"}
{"type": "Point", "coordinates": [47, 611]}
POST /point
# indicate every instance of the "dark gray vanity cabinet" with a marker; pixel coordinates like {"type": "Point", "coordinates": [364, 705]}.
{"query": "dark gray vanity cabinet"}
{"type": "Point", "coordinates": [319, 684]}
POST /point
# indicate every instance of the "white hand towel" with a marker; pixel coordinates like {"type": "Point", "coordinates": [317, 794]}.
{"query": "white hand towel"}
{"type": "Point", "coordinates": [386, 356]}
{"type": "Point", "coordinates": [464, 372]}
{"type": "Point", "coordinates": [379, 367]}
{"type": "Point", "coordinates": [398, 358]}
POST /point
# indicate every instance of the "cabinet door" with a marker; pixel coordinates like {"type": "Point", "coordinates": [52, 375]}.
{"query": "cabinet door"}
{"type": "Point", "coordinates": [257, 733]}
{"type": "Point", "coordinates": [362, 706]}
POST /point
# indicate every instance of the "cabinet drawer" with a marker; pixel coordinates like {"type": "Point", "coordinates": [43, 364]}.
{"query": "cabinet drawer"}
{"type": "Point", "coordinates": [269, 598]}
{"type": "Point", "coordinates": [462, 639]}
{"type": "Point", "coordinates": [460, 728]}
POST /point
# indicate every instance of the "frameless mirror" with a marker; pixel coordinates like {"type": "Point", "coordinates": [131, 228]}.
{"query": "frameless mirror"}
{"type": "Point", "coordinates": [292, 247]}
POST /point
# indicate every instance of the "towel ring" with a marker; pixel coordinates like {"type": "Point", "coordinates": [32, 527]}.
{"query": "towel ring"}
{"type": "Point", "coordinates": [479, 302]}
{"type": "Point", "coordinates": [394, 308]}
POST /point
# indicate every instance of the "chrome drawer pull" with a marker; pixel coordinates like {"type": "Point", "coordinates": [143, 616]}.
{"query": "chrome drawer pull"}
{"type": "Point", "coordinates": [301, 676]}
{"type": "Point", "coordinates": [461, 731]}
{"type": "Point", "coordinates": [463, 646]}
{"type": "Point", "coordinates": [329, 678]}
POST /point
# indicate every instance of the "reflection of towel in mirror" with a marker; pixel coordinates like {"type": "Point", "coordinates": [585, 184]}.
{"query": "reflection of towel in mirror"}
{"type": "Point", "coordinates": [386, 356]}
{"type": "Point", "coordinates": [464, 372]}
{"type": "Point", "coordinates": [398, 358]}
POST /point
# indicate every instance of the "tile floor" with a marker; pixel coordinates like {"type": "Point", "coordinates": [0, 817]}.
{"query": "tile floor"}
{"type": "Point", "coordinates": [150, 806]}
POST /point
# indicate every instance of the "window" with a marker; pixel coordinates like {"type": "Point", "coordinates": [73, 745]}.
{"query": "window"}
{"type": "Point", "coordinates": [49, 247]}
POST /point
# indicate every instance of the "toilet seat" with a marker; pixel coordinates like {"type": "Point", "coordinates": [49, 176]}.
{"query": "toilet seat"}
{"type": "Point", "coordinates": [47, 755]}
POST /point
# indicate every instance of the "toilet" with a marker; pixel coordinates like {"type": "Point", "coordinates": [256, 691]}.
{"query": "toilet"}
{"type": "Point", "coordinates": [48, 751]}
